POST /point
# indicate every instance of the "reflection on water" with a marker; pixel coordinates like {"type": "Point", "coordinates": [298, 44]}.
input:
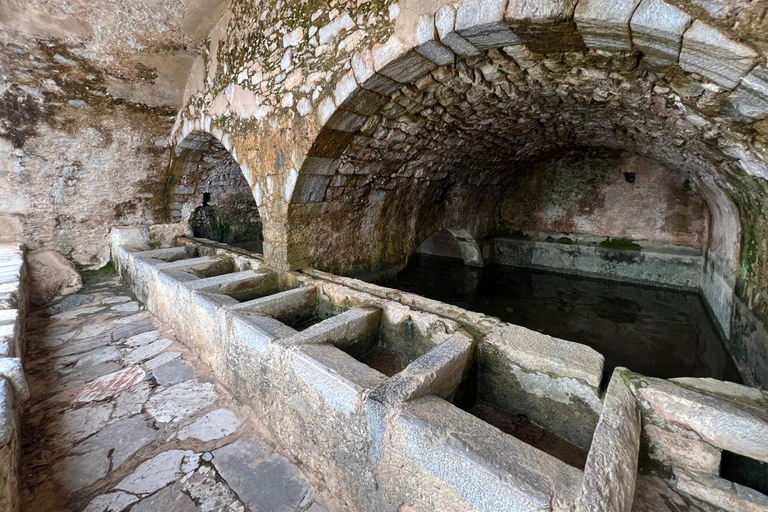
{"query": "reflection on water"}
{"type": "Point", "coordinates": [653, 331]}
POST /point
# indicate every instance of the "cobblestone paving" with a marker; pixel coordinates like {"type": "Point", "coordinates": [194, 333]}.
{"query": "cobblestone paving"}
{"type": "Point", "coordinates": [122, 417]}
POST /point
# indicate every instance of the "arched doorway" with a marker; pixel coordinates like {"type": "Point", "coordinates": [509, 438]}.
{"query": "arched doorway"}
{"type": "Point", "coordinates": [208, 190]}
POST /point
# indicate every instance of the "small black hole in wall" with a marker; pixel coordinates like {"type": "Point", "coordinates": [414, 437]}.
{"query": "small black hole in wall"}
{"type": "Point", "coordinates": [206, 198]}
{"type": "Point", "coordinates": [630, 177]}
{"type": "Point", "coordinates": [745, 471]}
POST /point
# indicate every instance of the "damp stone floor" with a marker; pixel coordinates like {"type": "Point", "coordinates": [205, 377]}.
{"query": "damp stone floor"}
{"type": "Point", "coordinates": [123, 418]}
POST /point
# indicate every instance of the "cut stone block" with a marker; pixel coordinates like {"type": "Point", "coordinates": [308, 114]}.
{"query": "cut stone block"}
{"type": "Point", "coordinates": [310, 188]}
{"type": "Point", "coordinates": [12, 370]}
{"type": "Point", "coordinates": [750, 99]}
{"type": "Point", "coordinates": [214, 425]}
{"type": "Point", "coordinates": [439, 440]}
{"type": "Point", "coordinates": [341, 330]}
{"type": "Point", "coordinates": [169, 499]}
{"type": "Point", "coordinates": [657, 31]}
{"type": "Point", "coordinates": [676, 450]}
{"type": "Point", "coordinates": [7, 416]}
{"type": "Point", "coordinates": [481, 22]}
{"type": "Point", "coordinates": [713, 55]}
{"type": "Point", "coordinates": [723, 424]}
{"type": "Point", "coordinates": [723, 494]}
{"type": "Point", "coordinates": [611, 470]}
{"type": "Point", "coordinates": [366, 75]}
{"type": "Point", "coordinates": [604, 24]}
{"type": "Point", "coordinates": [181, 401]}
{"type": "Point", "coordinates": [155, 473]}
{"type": "Point", "coordinates": [445, 23]}
{"type": "Point", "coordinates": [173, 372]}
{"type": "Point", "coordinates": [271, 485]}
{"type": "Point", "coordinates": [110, 385]}
{"type": "Point", "coordinates": [546, 25]}
{"type": "Point", "coordinates": [428, 44]}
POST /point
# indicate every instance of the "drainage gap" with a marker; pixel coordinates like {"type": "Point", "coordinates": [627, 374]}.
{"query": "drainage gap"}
{"type": "Point", "coordinates": [745, 471]}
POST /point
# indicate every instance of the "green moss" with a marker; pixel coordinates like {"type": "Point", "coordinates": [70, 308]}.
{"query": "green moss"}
{"type": "Point", "coordinates": [107, 270]}
{"type": "Point", "coordinates": [565, 240]}
{"type": "Point", "coordinates": [620, 243]}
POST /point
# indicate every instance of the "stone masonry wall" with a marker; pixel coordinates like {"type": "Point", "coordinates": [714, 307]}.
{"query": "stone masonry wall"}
{"type": "Point", "coordinates": [214, 172]}
{"type": "Point", "coordinates": [586, 192]}
{"type": "Point", "coordinates": [88, 94]}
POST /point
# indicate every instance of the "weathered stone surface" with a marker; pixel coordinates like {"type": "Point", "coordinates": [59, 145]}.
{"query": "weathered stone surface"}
{"type": "Point", "coordinates": [214, 425]}
{"type": "Point", "coordinates": [678, 450]}
{"type": "Point", "coordinates": [155, 473]}
{"type": "Point", "coordinates": [604, 24]}
{"type": "Point", "coordinates": [149, 351]}
{"type": "Point", "coordinates": [77, 424]}
{"type": "Point", "coordinates": [613, 455]}
{"type": "Point", "coordinates": [481, 22]}
{"type": "Point", "coordinates": [12, 370]}
{"type": "Point", "coordinates": [657, 31]}
{"type": "Point", "coordinates": [545, 26]}
{"type": "Point", "coordinates": [51, 275]}
{"type": "Point", "coordinates": [181, 400]}
{"type": "Point", "coordinates": [722, 494]}
{"type": "Point", "coordinates": [170, 499]}
{"type": "Point", "coordinates": [110, 385]}
{"type": "Point", "coordinates": [7, 415]}
{"type": "Point", "coordinates": [723, 424]}
{"type": "Point", "coordinates": [265, 483]}
{"type": "Point", "coordinates": [132, 400]}
{"type": "Point", "coordinates": [79, 471]}
{"type": "Point", "coordinates": [445, 22]}
{"type": "Point", "coordinates": [112, 502]}
{"type": "Point", "coordinates": [123, 439]}
{"type": "Point", "coordinates": [173, 372]}
{"type": "Point", "coordinates": [750, 98]}
{"type": "Point", "coordinates": [712, 54]}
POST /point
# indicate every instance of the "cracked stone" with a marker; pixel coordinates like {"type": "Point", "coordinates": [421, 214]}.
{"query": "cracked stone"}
{"type": "Point", "coordinates": [142, 339]}
{"type": "Point", "coordinates": [79, 471]}
{"type": "Point", "coordinates": [214, 425]}
{"type": "Point", "coordinates": [124, 437]}
{"type": "Point", "coordinates": [155, 473]}
{"type": "Point", "coordinates": [128, 307]}
{"type": "Point", "coordinates": [132, 400]}
{"type": "Point", "coordinates": [110, 385]}
{"type": "Point", "coordinates": [181, 401]}
{"type": "Point", "coordinates": [77, 424]}
{"type": "Point", "coordinates": [272, 485]}
{"type": "Point", "coordinates": [170, 499]}
{"type": "Point", "coordinates": [112, 502]}
{"type": "Point", "coordinates": [147, 351]}
{"type": "Point", "coordinates": [160, 360]}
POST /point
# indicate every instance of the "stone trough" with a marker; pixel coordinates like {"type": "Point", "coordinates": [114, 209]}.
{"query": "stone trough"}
{"type": "Point", "coordinates": [390, 429]}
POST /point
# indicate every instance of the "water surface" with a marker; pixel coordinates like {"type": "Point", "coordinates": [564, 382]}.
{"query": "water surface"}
{"type": "Point", "coordinates": [654, 331]}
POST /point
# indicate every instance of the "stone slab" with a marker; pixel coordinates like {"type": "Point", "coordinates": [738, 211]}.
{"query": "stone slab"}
{"type": "Point", "coordinates": [657, 31]}
{"type": "Point", "coordinates": [265, 485]}
{"type": "Point", "coordinates": [604, 24]}
{"type": "Point", "coordinates": [214, 425]}
{"type": "Point", "coordinates": [713, 55]}
{"type": "Point", "coordinates": [173, 372]}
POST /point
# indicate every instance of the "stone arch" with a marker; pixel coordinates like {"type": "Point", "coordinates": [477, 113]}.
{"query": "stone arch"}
{"type": "Point", "coordinates": [207, 185]}
{"type": "Point", "coordinates": [388, 103]}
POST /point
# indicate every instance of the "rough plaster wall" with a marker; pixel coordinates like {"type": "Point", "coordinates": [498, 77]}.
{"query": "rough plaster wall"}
{"type": "Point", "coordinates": [585, 192]}
{"type": "Point", "coordinates": [88, 94]}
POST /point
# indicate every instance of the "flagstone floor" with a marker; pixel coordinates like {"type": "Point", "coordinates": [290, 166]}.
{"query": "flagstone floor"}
{"type": "Point", "coordinates": [123, 418]}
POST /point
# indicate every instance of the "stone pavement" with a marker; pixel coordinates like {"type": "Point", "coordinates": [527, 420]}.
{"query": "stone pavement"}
{"type": "Point", "coordinates": [122, 417]}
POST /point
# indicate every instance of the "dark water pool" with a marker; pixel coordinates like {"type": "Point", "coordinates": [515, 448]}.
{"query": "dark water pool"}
{"type": "Point", "coordinates": [653, 331]}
